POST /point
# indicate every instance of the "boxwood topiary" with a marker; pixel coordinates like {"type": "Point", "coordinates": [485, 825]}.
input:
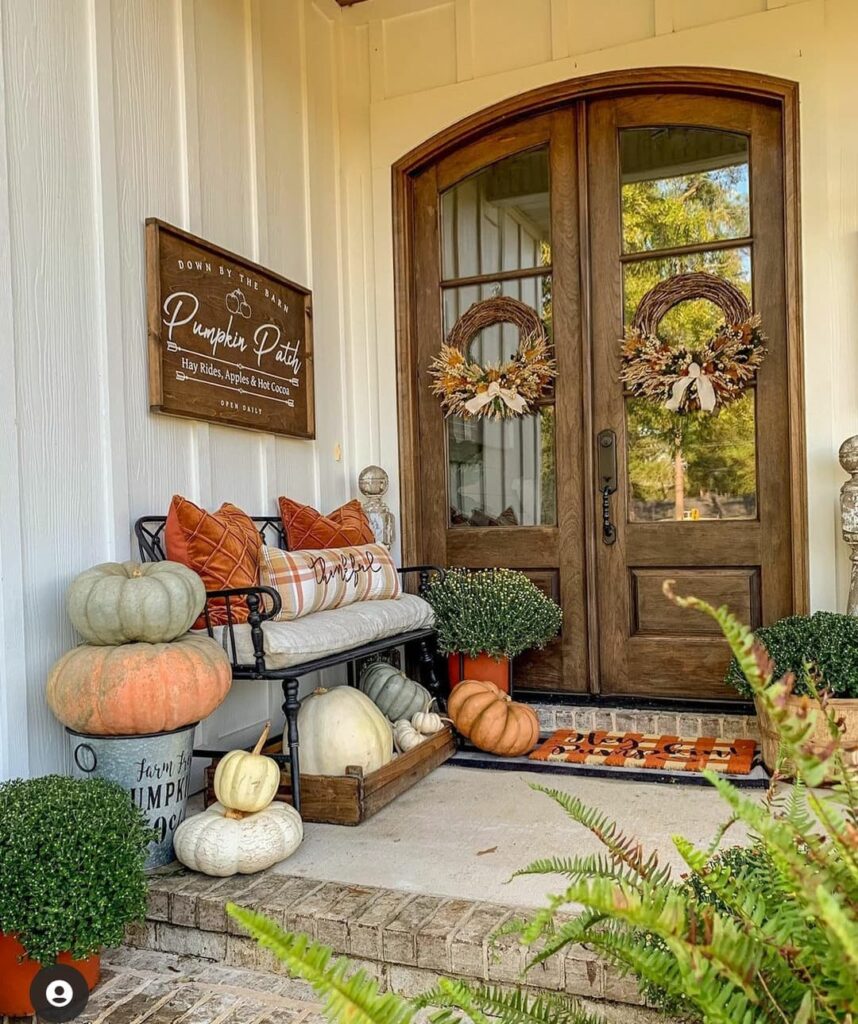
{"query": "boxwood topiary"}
{"type": "Point", "coordinates": [827, 641]}
{"type": "Point", "coordinates": [71, 864]}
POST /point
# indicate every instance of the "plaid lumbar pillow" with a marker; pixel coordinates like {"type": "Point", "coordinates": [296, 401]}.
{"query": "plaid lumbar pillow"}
{"type": "Point", "coordinates": [315, 580]}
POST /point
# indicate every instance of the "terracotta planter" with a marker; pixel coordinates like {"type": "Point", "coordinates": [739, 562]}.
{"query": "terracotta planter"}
{"type": "Point", "coordinates": [483, 667]}
{"type": "Point", "coordinates": [819, 739]}
{"type": "Point", "coordinates": [17, 971]}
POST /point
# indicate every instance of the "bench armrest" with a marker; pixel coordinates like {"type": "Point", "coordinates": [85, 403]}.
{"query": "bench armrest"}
{"type": "Point", "coordinates": [425, 571]}
{"type": "Point", "coordinates": [257, 614]}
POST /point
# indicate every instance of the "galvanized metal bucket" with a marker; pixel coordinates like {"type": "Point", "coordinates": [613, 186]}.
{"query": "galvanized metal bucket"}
{"type": "Point", "coordinates": [154, 768]}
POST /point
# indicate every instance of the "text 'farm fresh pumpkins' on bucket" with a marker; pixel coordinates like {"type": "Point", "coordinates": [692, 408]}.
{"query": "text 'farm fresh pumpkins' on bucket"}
{"type": "Point", "coordinates": [139, 688]}
{"type": "Point", "coordinates": [342, 728]}
{"type": "Point", "coordinates": [491, 720]}
{"type": "Point", "coordinates": [126, 602]}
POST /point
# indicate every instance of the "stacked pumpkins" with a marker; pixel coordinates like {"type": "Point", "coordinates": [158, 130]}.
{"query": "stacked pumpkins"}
{"type": "Point", "coordinates": [138, 671]}
{"type": "Point", "coordinates": [245, 830]}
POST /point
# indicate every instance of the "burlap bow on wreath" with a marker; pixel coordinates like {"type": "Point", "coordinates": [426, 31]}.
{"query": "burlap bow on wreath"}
{"type": "Point", "coordinates": [500, 391]}
{"type": "Point", "coordinates": [685, 379]}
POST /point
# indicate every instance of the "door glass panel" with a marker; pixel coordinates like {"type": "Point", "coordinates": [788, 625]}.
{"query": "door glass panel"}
{"type": "Point", "coordinates": [683, 186]}
{"type": "Point", "coordinates": [498, 219]}
{"type": "Point", "coordinates": [697, 466]}
{"type": "Point", "coordinates": [502, 473]}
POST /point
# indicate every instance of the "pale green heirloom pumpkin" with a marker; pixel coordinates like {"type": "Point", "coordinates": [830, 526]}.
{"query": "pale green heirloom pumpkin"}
{"type": "Point", "coordinates": [393, 692]}
{"type": "Point", "coordinates": [129, 602]}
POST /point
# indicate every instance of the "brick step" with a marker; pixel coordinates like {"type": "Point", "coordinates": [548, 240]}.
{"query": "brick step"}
{"type": "Point", "coordinates": [586, 717]}
{"type": "Point", "coordinates": [406, 940]}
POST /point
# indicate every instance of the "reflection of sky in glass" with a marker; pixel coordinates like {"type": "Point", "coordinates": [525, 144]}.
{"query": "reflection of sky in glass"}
{"type": "Point", "coordinates": [683, 186]}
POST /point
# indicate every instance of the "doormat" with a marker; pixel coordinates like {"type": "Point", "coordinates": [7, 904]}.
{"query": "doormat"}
{"type": "Point", "coordinates": [661, 753]}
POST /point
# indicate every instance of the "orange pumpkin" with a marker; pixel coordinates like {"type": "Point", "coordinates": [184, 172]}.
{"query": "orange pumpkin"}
{"type": "Point", "coordinates": [139, 688]}
{"type": "Point", "coordinates": [491, 720]}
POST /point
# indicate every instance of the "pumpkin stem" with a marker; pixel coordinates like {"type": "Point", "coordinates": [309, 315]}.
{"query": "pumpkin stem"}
{"type": "Point", "coordinates": [235, 815]}
{"type": "Point", "coordinates": [320, 690]}
{"type": "Point", "coordinates": [260, 743]}
{"type": "Point", "coordinates": [137, 571]}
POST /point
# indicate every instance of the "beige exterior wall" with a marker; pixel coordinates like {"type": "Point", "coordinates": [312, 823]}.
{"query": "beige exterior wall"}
{"type": "Point", "coordinates": [424, 65]}
{"type": "Point", "coordinates": [211, 115]}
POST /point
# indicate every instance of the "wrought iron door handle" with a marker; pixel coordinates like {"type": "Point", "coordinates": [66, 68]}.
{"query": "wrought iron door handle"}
{"type": "Point", "coordinates": [607, 463]}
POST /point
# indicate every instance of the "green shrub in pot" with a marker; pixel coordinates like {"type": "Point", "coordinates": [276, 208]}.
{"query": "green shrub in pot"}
{"type": "Point", "coordinates": [71, 865]}
{"type": "Point", "coordinates": [498, 612]}
{"type": "Point", "coordinates": [827, 642]}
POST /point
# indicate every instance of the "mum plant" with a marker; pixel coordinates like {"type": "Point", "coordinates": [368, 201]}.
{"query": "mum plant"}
{"type": "Point", "coordinates": [724, 945]}
{"type": "Point", "coordinates": [71, 865]}
{"type": "Point", "coordinates": [826, 642]}
{"type": "Point", "coordinates": [499, 612]}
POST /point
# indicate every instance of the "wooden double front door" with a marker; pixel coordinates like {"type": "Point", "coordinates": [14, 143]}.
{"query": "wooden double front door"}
{"type": "Point", "coordinates": [577, 212]}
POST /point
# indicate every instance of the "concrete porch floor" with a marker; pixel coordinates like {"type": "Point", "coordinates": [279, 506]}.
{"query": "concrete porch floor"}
{"type": "Point", "coordinates": [463, 832]}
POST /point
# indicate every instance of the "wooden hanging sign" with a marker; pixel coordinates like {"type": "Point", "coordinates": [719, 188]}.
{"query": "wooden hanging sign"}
{"type": "Point", "coordinates": [229, 341]}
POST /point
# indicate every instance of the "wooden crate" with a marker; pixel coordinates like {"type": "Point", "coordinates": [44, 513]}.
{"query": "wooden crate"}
{"type": "Point", "coordinates": [352, 798]}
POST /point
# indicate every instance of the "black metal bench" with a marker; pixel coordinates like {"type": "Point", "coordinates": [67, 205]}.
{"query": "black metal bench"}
{"type": "Point", "coordinates": [149, 531]}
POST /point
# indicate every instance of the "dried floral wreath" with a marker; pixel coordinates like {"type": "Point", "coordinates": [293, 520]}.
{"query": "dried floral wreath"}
{"type": "Point", "coordinates": [683, 379]}
{"type": "Point", "coordinates": [509, 389]}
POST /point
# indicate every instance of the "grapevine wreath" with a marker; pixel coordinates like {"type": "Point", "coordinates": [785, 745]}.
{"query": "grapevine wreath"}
{"type": "Point", "coordinates": [685, 379]}
{"type": "Point", "coordinates": [498, 391]}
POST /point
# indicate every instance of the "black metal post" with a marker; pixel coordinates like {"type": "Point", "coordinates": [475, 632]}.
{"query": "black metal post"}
{"type": "Point", "coordinates": [426, 658]}
{"type": "Point", "coordinates": [290, 709]}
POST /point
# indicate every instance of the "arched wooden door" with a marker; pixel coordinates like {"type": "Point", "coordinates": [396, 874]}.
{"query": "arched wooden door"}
{"type": "Point", "coordinates": [576, 212]}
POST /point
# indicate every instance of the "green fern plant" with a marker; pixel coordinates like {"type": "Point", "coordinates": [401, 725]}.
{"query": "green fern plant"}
{"type": "Point", "coordinates": [781, 953]}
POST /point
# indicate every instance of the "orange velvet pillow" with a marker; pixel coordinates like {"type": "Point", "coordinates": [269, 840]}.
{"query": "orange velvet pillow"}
{"type": "Point", "coordinates": [221, 547]}
{"type": "Point", "coordinates": [305, 528]}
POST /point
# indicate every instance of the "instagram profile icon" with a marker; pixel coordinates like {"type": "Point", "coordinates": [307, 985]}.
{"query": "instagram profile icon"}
{"type": "Point", "coordinates": [59, 993]}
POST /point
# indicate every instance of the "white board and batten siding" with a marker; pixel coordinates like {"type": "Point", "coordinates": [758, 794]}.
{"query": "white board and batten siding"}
{"type": "Point", "coordinates": [210, 115]}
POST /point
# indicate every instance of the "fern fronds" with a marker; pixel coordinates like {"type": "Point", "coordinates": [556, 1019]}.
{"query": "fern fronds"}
{"type": "Point", "coordinates": [348, 998]}
{"type": "Point", "coordinates": [621, 848]}
{"type": "Point", "coordinates": [482, 1002]}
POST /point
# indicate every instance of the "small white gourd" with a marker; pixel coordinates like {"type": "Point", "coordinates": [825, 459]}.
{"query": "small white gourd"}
{"type": "Point", "coordinates": [216, 845]}
{"type": "Point", "coordinates": [405, 736]}
{"type": "Point", "coordinates": [428, 722]}
{"type": "Point", "coordinates": [247, 782]}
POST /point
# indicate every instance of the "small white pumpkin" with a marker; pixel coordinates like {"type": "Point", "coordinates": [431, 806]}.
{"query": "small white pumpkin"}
{"type": "Point", "coordinates": [405, 736]}
{"type": "Point", "coordinates": [216, 845]}
{"type": "Point", "coordinates": [427, 722]}
{"type": "Point", "coordinates": [130, 602]}
{"type": "Point", "coordinates": [340, 728]}
{"type": "Point", "coordinates": [247, 782]}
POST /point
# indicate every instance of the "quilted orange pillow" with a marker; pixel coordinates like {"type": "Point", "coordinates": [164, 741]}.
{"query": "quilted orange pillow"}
{"type": "Point", "coordinates": [307, 529]}
{"type": "Point", "coordinates": [221, 547]}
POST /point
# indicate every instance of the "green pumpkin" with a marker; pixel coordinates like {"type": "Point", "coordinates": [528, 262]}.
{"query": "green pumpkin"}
{"type": "Point", "coordinates": [392, 692]}
{"type": "Point", "coordinates": [129, 602]}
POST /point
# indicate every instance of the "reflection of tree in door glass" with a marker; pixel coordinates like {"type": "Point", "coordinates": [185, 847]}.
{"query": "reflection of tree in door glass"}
{"type": "Point", "coordinates": [686, 187]}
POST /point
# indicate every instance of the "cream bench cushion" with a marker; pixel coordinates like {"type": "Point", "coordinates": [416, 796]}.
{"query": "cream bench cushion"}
{"type": "Point", "coordinates": [329, 632]}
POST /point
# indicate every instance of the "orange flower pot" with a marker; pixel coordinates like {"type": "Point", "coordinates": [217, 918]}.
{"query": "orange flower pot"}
{"type": "Point", "coordinates": [17, 971]}
{"type": "Point", "coordinates": [484, 668]}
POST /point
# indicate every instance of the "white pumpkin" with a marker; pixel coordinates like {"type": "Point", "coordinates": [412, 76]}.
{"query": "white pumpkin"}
{"type": "Point", "coordinates": [405, 736]}
{"type": "Point", "coordinates": [341, 728]}
{"type": "Point", "coordinates": [216, 845]}
{"type": "Point", "coordinates": [427, 722]}
{"type": "Point", "coordinates": [246, 782]}
{"type": "Point", "coordinates": [132, 602]}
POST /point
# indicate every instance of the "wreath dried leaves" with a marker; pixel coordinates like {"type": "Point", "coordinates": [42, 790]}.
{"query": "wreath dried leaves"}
{"type": "Point", "coordinates": [686, 379]}
{"type": "Point", "coordinates": [500, 391]}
